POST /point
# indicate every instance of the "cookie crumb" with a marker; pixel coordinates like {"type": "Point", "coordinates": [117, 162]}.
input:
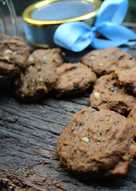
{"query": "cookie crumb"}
{"type": "Point", "coordinates": [85, 139]}
{"type": "Point", "coordinates": [127, 157]}
{"type": "Point", "coordinates": [97, 95]}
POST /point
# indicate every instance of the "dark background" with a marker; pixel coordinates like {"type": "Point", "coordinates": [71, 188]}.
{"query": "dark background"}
{"type": "Point", "coordinates": [20, 6]}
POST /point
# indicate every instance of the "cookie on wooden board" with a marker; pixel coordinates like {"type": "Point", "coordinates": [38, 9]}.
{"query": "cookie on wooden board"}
{"type": "Point", "coordinates": [127, 78]}
{"type": "Point", "coordinates": [107, 94]}
{"type": "Point", "coordinates": [74, 78]}
{"type": "Point", "coordinates": [14, 52]}
{"type": "Point", "coordinates": [105, 61]}
{"type": "Point", "coordinates": [47, 56]}
{"type": "Point", "coordinates": [37, 81]}
{"type": "Point", "coordinates": [96, 141]}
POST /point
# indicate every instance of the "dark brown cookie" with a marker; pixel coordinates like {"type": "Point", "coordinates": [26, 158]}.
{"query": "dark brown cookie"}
{"type": "Point", "coordinates": [47, 56]}
{"type": "Point", "coordinates": [105, 61]}
{"type": "Point", "coordinates": [14, 52]}
{"type": "Point", "coordinates": [127, 78]}
{"type": "Point", "coordinates": [96, 141]}
{"type": "Point", "coordinates": [37, 81]}
{"type": "Point", "coordinates": [107, 94]}
{"type": "Point", "coordinates": [74, 78]}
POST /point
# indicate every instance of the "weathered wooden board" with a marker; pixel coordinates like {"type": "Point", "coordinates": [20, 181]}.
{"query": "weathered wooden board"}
{"type": "Point", "coordinates": [28, 135]}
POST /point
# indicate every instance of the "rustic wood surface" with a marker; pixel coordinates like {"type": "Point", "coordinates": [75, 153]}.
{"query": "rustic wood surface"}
{"type": "Point", "coordinates": [28, 135]}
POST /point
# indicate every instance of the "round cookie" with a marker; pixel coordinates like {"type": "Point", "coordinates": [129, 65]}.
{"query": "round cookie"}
{"type": "Point", "coordinates": [73, 78]}
{"type": "Point", "coordinates": [96, 141]}
{"type": "Point", "coordinates": [14, 52]}
{"type": "Point", "coordinates": [47, 56]}
{"type": "Point", "coordinates": [37, 81]}
{"type": "Point", "coordinates": [107, 94]}
{"type": "Point", "coordinates": [127, 78]}
{"type": "Point", "coordinates": [104, 61]}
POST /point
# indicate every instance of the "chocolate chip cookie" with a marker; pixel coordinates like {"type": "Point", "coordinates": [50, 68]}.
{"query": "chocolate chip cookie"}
{"type": "Point", "coordinates": [107, 94]}
{"type": "Point", "coordinates": [96, 141]}
{"type": "Point", "coordinates": [105, 61]}
{"type": "Point", "coordinates": [14, 52]}
{"type": "Point", "coordinates": [74, 78]}
{"type": "Point", "coordinates": [47, 56]}
{"type": "Point", "coordinates": [37, 81]}
{"type": "Point", "coordinates": [127, 78]}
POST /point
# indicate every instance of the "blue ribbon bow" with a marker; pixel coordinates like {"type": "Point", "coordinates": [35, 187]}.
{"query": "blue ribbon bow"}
{"type": "Point", "coordinates": [77, 36]}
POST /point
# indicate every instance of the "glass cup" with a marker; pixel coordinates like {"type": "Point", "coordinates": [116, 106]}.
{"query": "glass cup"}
{"type": "Point", "coordinates": [8, 20]}
{"type": "Point", "coordinates": [8, 25]}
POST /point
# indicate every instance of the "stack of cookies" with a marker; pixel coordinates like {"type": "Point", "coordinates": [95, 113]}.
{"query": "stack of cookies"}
{"type": "Point", "coordinates": [47, 73]}
{"type": "Point", "coordinates": [100, 138]}
{"type": "Point", "coordinates": [14, 52]}
{"type": "Point", "coordinates": [41, 72]}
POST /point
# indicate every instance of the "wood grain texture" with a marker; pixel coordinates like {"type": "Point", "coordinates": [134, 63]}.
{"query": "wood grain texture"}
{"type": "Point", "coordinates": [28, 161]}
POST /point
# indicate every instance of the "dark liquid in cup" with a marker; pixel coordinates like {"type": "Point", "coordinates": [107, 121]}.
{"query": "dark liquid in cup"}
{"type": "Point", "coordinates": [65, 9]}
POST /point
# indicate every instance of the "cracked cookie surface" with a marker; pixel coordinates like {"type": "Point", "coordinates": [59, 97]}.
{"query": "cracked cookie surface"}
{"type": "Point", "coordinates": [105, 61]}
{"type": "Point", "coordinates": [14, 52]}
{"type": "Point", "coordinates": [96, 141]}
{"type": "Point", "coordinates": [37, 81]}
{"type": "Point", "coordinates": [47, 56]}
{"type": "Point", "coordinates": [107, 94]}
{"type": "Point", "coordinates": [74, 78]}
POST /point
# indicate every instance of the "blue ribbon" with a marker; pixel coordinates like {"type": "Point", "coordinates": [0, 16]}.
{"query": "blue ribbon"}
{"type": "Point", "coordinates": [77, 36]}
